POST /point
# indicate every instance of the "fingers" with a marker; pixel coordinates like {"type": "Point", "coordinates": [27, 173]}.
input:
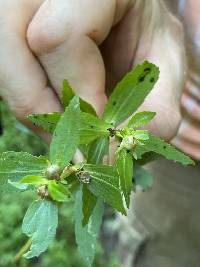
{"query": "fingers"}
{"type": "Point", "coordinates": [64, 35]}
{"type": "Point", "coordinates": [149, 31]}
{"type": "Point", "coordinates": [22, 80]}
{"type": "Point", "coordinates": [162, 43]}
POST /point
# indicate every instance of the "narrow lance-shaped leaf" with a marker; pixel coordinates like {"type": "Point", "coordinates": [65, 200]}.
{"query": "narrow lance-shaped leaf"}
{"type": "Point", "coordinates": [141, 135]}
{"type": "Point", "coordinates": [97, 150]}
{"type": "Point", "coordinates": [105, 184]}
{"type": "Point", "coordinates": [46, 121]}
{"type": "Point", "coordinates": [92, 127]}
{"type": "Point", "coordinates": [86, 236]}
{"type": "Point", "coordinates": [34, 180]}
{"type": "Point", "coordinates": [89, 202]}
{"type": "Point", "coordinates": [40, 223]}
{"type": "Point", "coordinates": [142, 177]}
{"type": "Point", "coordinates": [159, 146]}
{"type": "Point", "coordinates": [59, 192]}
{"type": "Point", "coordinates": [66, 135]}
{"type": "Point", "coordinates": [15, 165]}
{"type": "Point", "coordinates": [130, 93]}
{"type": "Point", "coordinates": [68, 94]}
{"type": "Point", "coordinates": [125, 170]}
{"type": "Point", "coordinates": [140, 119]}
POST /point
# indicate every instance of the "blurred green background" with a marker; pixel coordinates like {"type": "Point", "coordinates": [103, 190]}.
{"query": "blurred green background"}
{"type": "Point", "coordinates": [63, 251]}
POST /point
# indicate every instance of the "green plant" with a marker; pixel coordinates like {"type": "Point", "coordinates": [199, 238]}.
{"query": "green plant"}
{"type": "Point", "coordinates": [89, 183]}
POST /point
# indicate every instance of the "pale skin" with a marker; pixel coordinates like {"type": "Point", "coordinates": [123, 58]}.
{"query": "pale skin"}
{"type": "Point", "coordinates": [93, 44]}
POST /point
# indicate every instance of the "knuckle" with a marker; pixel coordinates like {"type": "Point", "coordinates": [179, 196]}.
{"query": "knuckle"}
{"type": "Point", "coordinates": [47, 34]}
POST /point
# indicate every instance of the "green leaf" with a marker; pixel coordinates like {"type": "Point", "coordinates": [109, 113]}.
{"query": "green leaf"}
{"type": "Point", "coordinates": [46, 121]}
{"type": "Point", "coordinates": [105, 184]}
{"type": "Point", "coordinates": [15, 165]}
{"type": "Point", "coordinates": [40, 223]}
{"type": "Point", "coordinates": [148, 157]}
{"type": "Point", "coordinates": [59, 192]}
{"type": "Point", "coordinates": [34, 180]}
{"type": "Point", "coordinates": [140, 119]}
{"type": "Point", "coordinates": [66, 135]}
{"type": "Point", "coordinates": [141, 134]}
{"type": "Point", "coordinates": [130, 93]}
{"type": "Point", "coordinates": [92, 128]}
{"type": "Point", "coordinates": [18, 185]}
{"type": "Point", "coordinates": [89, 202]}
{"type": "Point", "coordinates": [86, 237]}
{"type": "Point", "coordinates": [87, 108]}
{"type": "Point", "coordinates": [168, 151]}
{"type": "Point", "coordinates": [97, 150]}
{"type": "Point", "coordinates": [125, 170]}
{"type": "Point", "coordinates": [68, 94]}
{"type": "Point", "coordinates": [142, 177]}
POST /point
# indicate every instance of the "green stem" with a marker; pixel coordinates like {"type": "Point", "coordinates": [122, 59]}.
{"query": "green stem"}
{"type": "Point", "coordinates": [22, 251]}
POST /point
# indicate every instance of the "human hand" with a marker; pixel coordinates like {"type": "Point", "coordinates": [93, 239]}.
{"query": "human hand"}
{"type": "Point", "coordinates": [189, 132]}
{"type": "Point", "coordinates": [92, 44]}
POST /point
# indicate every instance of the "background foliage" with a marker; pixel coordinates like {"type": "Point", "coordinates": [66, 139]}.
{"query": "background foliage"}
{"type": "Point", "coordinates": [63, 252]}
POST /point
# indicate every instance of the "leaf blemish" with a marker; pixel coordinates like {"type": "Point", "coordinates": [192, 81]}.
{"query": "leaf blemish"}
{"type": "Point", "coordinates": [141, 79]}
{"type": "Point", "coordinates": [147, 69]}
{"type": "Point", "coordinates": [152, 80]}
{"type": "Point", "coordinates": [114, 103]}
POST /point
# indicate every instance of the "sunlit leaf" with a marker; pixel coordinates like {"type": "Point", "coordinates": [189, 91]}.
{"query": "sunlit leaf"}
{"type": "Point", "coordinates": [92, 127]}
{"type": "Point", "coordinates": [34, 180]}
{"type": "Point", "coordinates": [66, 135]}
{"type": "Point", "coordinates": [130, 93]}
{"type": "Point", "coordinates": [140, 119]}
{"type": "Point", "coordinates": [59, 192]}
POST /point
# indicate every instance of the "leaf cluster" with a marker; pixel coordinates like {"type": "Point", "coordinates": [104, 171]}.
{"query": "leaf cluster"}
{"type": "Point", "coordinates": [57, 179]}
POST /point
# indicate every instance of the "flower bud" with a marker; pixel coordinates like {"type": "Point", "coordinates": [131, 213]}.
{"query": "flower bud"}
{"type": "Point", "coordinates": [53, 172]}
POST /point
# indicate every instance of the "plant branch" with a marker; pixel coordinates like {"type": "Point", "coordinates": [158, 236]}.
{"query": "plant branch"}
{"type": "Point", "coordinates": [22, 251]}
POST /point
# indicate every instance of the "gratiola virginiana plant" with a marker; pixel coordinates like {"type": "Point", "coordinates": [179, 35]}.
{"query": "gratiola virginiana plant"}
{"type": "Point", "coordinates": [89, 184]}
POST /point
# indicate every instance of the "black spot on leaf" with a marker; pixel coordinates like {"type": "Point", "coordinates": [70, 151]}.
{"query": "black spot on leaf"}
{"type": "Point", "coordinates": [141, 79]}
{"type": "Point", "coordinates": [152, 80]}
{"type": "Point", "coordinates": [114, 103]}
{"type": "Point", "coordinates": [147, 69]}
